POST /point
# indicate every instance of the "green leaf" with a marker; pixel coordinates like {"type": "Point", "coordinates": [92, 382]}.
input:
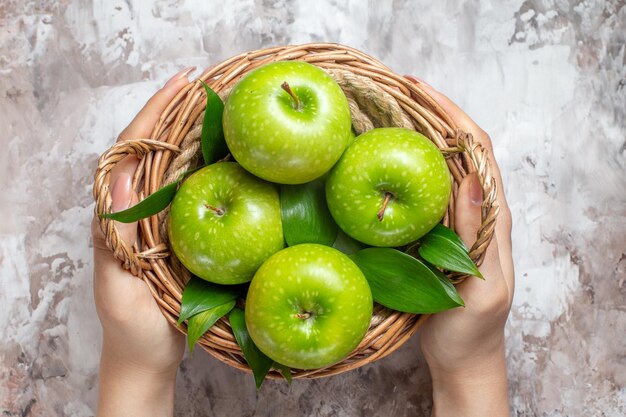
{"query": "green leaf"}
{"type": "Point", "coordinates": [212, 136]}
{"type": "Point", "coordinates": [346, 244]}
{"type": "Point", "coordinates": [284, 370]}
{"type": "Point", "coordinates": [444, 248]}
{"type": "Point", "coordinates": [258, 362]}
{"type": "Point", "coordinates": [147, 207]}
{"type": "Point", "coordinates": [403, 283]}
{"type": "Point", "coordinates": [305, 215]}
{"type": "Point", "coordinates": [199, 323]}
{"type": "Point", "coordinates": [150, 205]}
{"type": "Point", "coordinates": [447, 284]}
{"type": "Point", "coordinates": [448, 234]}
{"type": "Point", "coordinates": [200, 295]}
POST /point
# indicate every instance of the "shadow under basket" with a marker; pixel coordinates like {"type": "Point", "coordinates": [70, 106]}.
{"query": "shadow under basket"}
{"type": "Point", "coordinates": [377, 97]}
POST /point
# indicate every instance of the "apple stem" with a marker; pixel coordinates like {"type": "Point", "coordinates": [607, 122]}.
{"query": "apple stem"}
{"type": "Point", "coordinates": [381, 212]}
{"type": "Point", "coordinates": [219, 211]}
{"type": "Point", "coordinates": [304, 315]}
{"type": "Point", "coordinates": [296, 101]}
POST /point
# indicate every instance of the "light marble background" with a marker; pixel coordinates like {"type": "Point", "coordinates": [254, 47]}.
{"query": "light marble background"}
{"type": "Point", "coordinates": [545, 78]}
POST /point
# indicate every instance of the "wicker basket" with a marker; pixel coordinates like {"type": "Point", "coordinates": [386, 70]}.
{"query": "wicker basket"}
{"type": "Point", "coordinates": [377, 97]}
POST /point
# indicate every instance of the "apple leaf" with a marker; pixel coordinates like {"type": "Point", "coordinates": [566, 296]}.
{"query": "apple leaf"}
{"type": "Point", "coordinates": [284, 370]}
{"type": "Point", "coordinates": [212, 136]}
{"type": "Point", "coordinates": [201, 322]}
{"type": "Point", "coordinates": [257, 360]}
{"type": "Point", "coordinates": [447, 284]}
{"type": "Point", "coordinates": [448, 234]}
{"type": "Point", "coordinates": [404, 283]}
{"type": "Point", "coordinates": [147, 207]}
{"type": "Point", "coordinates": [444, 248]}
{"type": "Point", "coordinates": [305, 215]}
{"type": "Point", "coordinates": [150, 205]}
{"type": "Point", "coordinates": [200, 295]}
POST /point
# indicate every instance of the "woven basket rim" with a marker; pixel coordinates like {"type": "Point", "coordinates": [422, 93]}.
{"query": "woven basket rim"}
{"type": "Point", "coordinates": [357, 73]}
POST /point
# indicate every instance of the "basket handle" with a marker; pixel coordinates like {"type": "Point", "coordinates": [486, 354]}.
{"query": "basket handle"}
{"type": "Point", "coordinates": [130, 257]}
{"type": "Point", "coordinates": [479, 157]}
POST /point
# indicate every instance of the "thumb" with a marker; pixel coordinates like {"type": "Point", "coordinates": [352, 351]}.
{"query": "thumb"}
{"type": "Point", "coordinates": [122, 197]}
{"type": "Point", "coordinates": [467, 216]}
{"type": "Point", "coordinates": [106, 265]}
{"type": "Point", "coordinates": [468, 220]}
{"type": "Point", "coordinates": [110, 278]}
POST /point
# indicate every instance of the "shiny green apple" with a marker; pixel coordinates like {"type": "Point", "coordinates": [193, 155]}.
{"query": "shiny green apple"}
{"type": "Point", "coordinates": [308, 306]}
{"type": "Point", "coordinates": [287, 122]}
{"type": "Point", "coordinates": [390, 187]}
{"type": "Point", "coordinates": [224, 223]}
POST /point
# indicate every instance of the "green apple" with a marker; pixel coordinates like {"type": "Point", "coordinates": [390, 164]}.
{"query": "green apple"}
{"type": "Point", "coordinates": [287, 122]}
{"type": "Point", "coordinates": [308, 306]}
{"type": "Point", "coordinates": [390, 187]}
{"type": "Point", "coordinates": [224, 223]}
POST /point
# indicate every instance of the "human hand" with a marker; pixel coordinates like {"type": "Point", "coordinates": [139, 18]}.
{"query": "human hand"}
{"type": "Point", "coordinates": [141, 351]}
{"type": "Point", "coordinates": [464, 347]}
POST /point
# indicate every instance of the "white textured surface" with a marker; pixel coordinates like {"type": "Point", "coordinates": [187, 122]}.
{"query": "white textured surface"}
{"type": "Point", "coordinates": [545, 78]}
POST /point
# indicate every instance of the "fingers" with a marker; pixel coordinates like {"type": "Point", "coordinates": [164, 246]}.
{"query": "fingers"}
{"type": "Point", "coordinates": [122, 197]}
{"type": "Point", "coordinates": [148, 116]}
{"type": "Point", "coordinates": [467, 210]}
{"type": "Point", "coordinates": [464, 122]}
{"type": "Point", "coordinates": [461, 119]}
{"type": "Point", "coordinates": [141, 127]}
{"type": "Point", "coordinates": [106, 267]}
{"type": "Point", "coordinates": [468, 220]}
{"type": "Point", "coordinates": [122, 193]}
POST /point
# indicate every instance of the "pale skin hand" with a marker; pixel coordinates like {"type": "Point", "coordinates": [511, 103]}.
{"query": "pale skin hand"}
{"type": "Point", "coordinates": [141, 351]}
{"type": "Point", "coordinates": [464, 347]}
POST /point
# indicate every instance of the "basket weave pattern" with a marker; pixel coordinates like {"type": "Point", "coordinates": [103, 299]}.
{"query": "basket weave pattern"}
{"type": "Point", "coordinates": [377, 97]}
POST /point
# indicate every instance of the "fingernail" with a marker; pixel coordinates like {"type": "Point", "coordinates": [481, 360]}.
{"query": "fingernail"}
{"type": "Point", "coordinates": [181, 74]}
{"type": "Point", "coordinates": [475, 191]}
{"type": "Point", "coordinates": [413, 79]}
{"type": "Point", "coordinates": [121, 192]}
